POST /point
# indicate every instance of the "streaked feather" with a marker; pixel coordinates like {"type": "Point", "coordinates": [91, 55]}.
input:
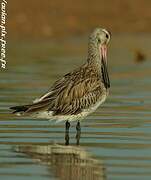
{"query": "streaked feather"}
{"type": "Point", "coordinates": [77, 93]}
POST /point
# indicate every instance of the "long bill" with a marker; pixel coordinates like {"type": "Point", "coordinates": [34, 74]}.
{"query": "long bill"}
{"type": "Point", "coordinates": [105, 75]}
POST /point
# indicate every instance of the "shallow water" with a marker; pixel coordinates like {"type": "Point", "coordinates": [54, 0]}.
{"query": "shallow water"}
{"type": "Point", "coordinates": [115, 142]}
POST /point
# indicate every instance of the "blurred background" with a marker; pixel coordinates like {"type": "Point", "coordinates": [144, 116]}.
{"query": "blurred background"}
{"type": "Point", "coordinates": [38, 19]}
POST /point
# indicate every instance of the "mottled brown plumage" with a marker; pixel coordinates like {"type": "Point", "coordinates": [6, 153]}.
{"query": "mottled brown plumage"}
{"type": "Point", "coordinates": [79, 92]}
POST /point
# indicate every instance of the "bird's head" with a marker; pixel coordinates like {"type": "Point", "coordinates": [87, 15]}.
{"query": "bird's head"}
{"type": "Point", "coordinates": [97, 53]}
{"type": "Point", "coordinates": [98, 42]}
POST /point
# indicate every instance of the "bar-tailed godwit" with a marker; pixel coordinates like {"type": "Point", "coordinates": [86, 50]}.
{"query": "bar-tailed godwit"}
{"type": "Point", "coordinates": [78, 93]}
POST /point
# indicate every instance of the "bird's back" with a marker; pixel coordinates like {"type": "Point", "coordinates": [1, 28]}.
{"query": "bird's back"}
{"type": "Point", "coordinates": [78, 91]}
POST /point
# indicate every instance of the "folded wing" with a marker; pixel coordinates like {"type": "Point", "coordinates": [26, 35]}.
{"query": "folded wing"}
{"type": "Point", "coordinates": [68, 96]}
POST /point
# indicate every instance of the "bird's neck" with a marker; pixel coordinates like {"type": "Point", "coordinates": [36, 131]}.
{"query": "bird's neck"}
{"type": "Point", "coordinates": [96, 63]}
{"type": "Point", "coordinates": [94, 58]}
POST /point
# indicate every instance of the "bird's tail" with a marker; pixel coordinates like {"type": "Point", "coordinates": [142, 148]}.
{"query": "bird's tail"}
{"type": "Point", "coordinates": [20, 109]}
{"type": "Point", "coordinates": [31, 108]}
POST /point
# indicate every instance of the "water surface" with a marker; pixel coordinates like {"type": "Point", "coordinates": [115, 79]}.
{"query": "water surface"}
{"type": "Point", "coordinates": [115, 142]}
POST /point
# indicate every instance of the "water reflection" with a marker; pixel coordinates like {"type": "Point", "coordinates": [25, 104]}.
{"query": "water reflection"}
{"type": "Point", "coordinates": [119, 132]}
{"type": "Point", "coordinates": [66, 162]}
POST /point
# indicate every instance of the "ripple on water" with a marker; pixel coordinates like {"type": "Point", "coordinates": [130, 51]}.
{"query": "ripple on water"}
{"type": "Point", "coordinates": [115, 141]}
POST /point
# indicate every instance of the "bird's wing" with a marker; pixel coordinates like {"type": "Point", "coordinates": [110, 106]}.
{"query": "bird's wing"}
{"type": "Point", "coordinates": [76, 98]}
{"type": "Point", "coordinates": [71, 94]}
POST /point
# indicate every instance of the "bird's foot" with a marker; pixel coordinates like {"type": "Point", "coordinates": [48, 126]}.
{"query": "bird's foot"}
{"type": "Point", "coordinates": [67, 138]}
{"type": "Point", "coordinates": [78, 135]}
{"type": "Point", "coordinates": [67, 125]}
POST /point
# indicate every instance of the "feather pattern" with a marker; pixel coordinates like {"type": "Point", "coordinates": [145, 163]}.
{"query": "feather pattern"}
{"type": "Point", "coordinates": [74, 92]}
{"type": "Point", "coordinates": [77, 93]}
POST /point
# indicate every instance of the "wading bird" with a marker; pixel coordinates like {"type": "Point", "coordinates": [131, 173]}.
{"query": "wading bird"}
{"type": "Point", "coordinates": [78, 93]}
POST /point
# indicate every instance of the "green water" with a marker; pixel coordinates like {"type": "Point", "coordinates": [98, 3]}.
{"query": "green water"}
{"type": "Point", "coordinates": [115, 143]}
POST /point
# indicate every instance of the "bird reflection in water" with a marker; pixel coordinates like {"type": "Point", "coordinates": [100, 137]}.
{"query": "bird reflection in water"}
{"type": "Point", "coordinates": [66, 162]}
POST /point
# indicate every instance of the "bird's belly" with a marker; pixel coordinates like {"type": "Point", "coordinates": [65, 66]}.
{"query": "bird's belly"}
{"type": "Point", "coordinates": [84, 113]}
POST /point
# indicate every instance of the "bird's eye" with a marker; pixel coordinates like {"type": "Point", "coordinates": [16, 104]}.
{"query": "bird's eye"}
{"type": "Point", "coordinates": [107, 36]}
{"type": "Point", "coordinates": [99, 40]}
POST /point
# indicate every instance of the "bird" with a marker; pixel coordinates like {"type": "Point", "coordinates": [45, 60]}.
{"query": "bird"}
{"type": "Point", "coordinates": [79, 92]}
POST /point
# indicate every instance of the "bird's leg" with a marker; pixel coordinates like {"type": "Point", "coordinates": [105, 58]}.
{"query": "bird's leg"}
{"type": "Point", "coordinates": [67, 125]}
{"type": "Point", "coordinates": [67, 133]}
{"type": "Point", "coordinates": [67, 138]}
{"type": "Point", "coordinates": [78, 128]}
